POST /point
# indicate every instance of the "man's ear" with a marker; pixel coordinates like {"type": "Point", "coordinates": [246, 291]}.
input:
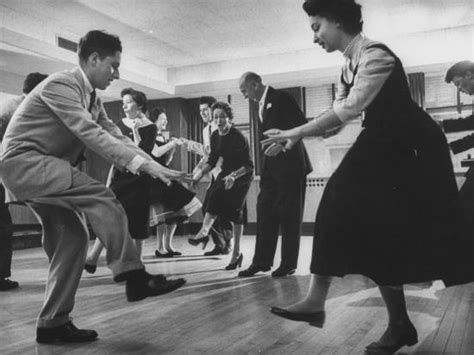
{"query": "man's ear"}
{"type": "Point", "coordinates": [469, 75]}
{"type": "Point", "coordinates": [93, 58]}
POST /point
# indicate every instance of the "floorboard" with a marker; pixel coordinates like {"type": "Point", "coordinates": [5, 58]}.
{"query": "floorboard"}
{"type": "Point", "coordinates": [218, 313]}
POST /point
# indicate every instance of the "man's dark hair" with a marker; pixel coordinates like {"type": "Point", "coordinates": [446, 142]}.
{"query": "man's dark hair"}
{"type": "Point", "coordinates": [225, 107]}
{"type": "Point", "coordinates": [459, 69]}
{"type": "Point", "coordinates": [137, 96]}
{"type": "Point", "coordinates": [98, 41]}
{"type": "Point", "coordinates": [32, 80]}
{"type": "Point", "coordinates": [209, 100]}
{"type": "Point", "coordinates": [155, 113]}
{"type": "Point", "coordinates": [345, 12]}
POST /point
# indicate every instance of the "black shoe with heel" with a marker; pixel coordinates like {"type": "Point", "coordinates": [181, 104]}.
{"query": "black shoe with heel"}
{"type": "Point", "coordinates": [204, 240]}
{"type": "Point", "coordinates": [237, 263]}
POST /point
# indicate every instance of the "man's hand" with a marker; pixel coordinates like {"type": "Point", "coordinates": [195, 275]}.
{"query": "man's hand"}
{"type": "Point", "coordinates": [158, 171]}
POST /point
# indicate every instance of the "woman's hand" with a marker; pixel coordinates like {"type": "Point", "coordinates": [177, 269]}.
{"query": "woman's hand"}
{"type": "Point", "coordinates": [197, 176]}
{"type": "Point", "coordinates": [289, 138]}
{"type": "Point", "coordinates": [229, 181]}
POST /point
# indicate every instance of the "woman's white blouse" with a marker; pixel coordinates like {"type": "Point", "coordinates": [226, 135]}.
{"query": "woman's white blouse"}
{"type": "Point", "coordinates": [374, 66]}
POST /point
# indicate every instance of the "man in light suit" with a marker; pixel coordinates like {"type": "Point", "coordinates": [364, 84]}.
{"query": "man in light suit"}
{"type": "Point", "coordinates": [280, 202]}
{"type": "Point", "coordinates": [6, 112]}
{"type": "Point", "coordinates": [43, 142]}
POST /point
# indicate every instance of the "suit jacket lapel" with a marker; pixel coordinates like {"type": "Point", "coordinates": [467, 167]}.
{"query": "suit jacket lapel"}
{"type": "Point", "coordinates": [267, 105]}
{"type": "Point", "coordinates": [84, 95]}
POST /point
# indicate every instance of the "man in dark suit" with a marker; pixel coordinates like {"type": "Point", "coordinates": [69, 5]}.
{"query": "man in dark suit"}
{"type": "Point", "coordinates": [282, 182]}
{"type": "Point", "coordinates": [6, 112]}
{"type": "Point", "coordinates": [461, 75]}
{"type": "Point", "coordinates": [44, 140]}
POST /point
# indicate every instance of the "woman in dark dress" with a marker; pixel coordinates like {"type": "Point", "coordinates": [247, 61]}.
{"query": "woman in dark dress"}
{"type": "Point", "coordinates": [169, 205]}
{"type": "Point", "coordinates": [133, 191]}
{"type": "Point", "coordinates": [390, 210]}
{"type": "Point", "coordinates": [226, 196]}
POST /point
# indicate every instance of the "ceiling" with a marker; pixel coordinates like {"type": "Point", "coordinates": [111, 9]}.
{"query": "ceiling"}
{"type": "Point", "coordinates": [190, 48]}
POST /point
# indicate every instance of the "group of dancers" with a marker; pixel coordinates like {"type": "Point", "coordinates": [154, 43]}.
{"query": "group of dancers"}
{"type": "Point", "coordinates": [153, 203]}
{"type": "Point", "coordinates": [391, 210]}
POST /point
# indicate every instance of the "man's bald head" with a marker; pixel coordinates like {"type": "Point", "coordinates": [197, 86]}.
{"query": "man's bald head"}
{"type": "Point", "coordinates": [251, 86]}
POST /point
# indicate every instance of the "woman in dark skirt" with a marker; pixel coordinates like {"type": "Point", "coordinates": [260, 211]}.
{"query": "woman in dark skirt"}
{"type": "Point", "coordinates": [133, 191]}
{"type": "Point", "coordinates": [226, 196]}
{"type": "Point", "coordinates": [390, 210]}
{"type": "Point", "coordinates": [169, 204]}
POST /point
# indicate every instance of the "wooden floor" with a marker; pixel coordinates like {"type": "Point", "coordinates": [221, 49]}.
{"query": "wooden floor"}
{"type": "Point", "coordinates": [219, 313]}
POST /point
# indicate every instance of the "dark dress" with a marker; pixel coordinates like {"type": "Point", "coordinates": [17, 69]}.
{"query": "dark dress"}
{"type": "Point", "coordinates": [390, 211]}
{"type": "Point", "coordinates": [133, 191]}
{"type": "Point", "coordinates": [173, 197]}
{"type": "Point", "coordinates": [235, 152]}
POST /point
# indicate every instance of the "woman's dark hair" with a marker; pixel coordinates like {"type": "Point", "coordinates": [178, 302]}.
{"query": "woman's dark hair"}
{"type": "Point", "coordinates": [138, 97]}
{"type": "Point", "coordinates": [155, 113]}
{"type": "Point", "coordinates": [98, 41]}
{"type": "Point", "coordinates": [459, 69]}
{"type": "Point", "coordinates": [225, 107]}
{"type": "Point", "coordinates": [345, 12]}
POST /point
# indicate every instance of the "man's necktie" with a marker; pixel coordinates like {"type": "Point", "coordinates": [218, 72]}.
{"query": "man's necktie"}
{"type": "Point", "coordinates": [93, 96]}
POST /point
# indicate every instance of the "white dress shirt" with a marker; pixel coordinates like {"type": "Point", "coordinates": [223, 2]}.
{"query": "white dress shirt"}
{"type": "Point", "coordinates": [261, 103]}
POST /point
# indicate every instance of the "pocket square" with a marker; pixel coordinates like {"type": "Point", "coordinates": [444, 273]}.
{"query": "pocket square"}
{"type": "Point", "coordinates": [269, 105]}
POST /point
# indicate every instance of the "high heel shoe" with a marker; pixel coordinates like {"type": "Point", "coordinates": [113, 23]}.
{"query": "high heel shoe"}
{"type": "Point", "coordinates": [159, 254]}
{"type": "Point", "coordinates": [204, 240]}
{"type": "Point", "coordinates": [237, 263]}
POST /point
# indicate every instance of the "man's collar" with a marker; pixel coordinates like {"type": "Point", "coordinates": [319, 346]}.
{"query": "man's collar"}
{"type": "Point", "coordinates": [89, 87]}
{"type": "Point", "coordinates": [264, 96]}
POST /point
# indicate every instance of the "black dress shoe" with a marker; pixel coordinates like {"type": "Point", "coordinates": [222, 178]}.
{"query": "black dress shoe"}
{"type": "Point", "coordinates": [65, 333]}
{"type": "Point", "coordinates": [315, 319]}
{"type": "Point", "coordinates": [175, 253]}
{"type": "Point", "coordinates": [216, 251]}
{"type": "Point", "coordinates": [252, 270]}
{"type": "Point", "coordinates": [7, 284]}
{"type": "Point", "coordinates": [408, 337]}
{"type": "Point", "coordinates": [90, 268]}
{"type": "Point", "coordinates": [150, 285]}
{"type": "Point", "coordinates": [283, 271]}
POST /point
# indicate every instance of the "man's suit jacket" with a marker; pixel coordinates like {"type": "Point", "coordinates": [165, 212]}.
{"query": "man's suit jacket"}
{"type": "Point", "coordinates": [6, 112]}
{"type": "Point", "coordinates": [48, 133]}
{"type": "Point", "coordinates": [281, 111]}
